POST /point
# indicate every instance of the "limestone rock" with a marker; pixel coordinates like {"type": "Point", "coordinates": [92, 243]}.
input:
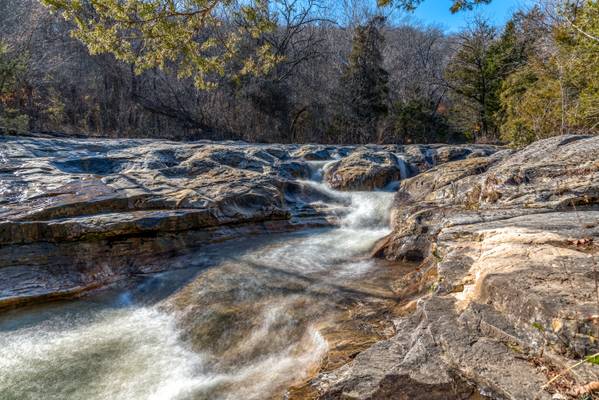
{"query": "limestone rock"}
{"type": "Point", "coordinates": [67, 203]}
{"type": "Point", "coordinates": [312, 153]}
{"type": "Point", "coordinates": [363, 170]}
{"type": "Point", "coordinates": [507, 284]}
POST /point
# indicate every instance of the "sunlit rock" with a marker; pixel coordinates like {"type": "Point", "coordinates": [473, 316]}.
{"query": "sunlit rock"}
{"type": "Point", "coordinates": [363, 170]}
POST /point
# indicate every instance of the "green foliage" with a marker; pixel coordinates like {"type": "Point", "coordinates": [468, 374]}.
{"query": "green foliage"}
{"type": "Point", "coordinates": [11, 67]}
{"type": "Point", "coordinates": [532, 106]}
{"type": "Point", "coordinates": [538, 326]}
{"type": "Point", "coordinates": [363, 93]}
{"type": "Point", "coordinates": [593, 359]}
{"type": "Point", "coordinates": [557, 91]}
{"type": "Point", "coordinates": [479, 73]}
{"type": "Point", "coordinates": [417, 121]}
{"type": "Point", "coordinates": [190, 38]}
{"type": "Point", "coordinates": [582, 46]}
{"type": "Point", "coordinates": [410, 5]}
{"type": "Point", "coordinates": [472, 74]}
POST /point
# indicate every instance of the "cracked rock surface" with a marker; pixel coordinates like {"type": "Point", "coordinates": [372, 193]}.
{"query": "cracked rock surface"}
{"type": "Point", "coordinates": [76, 214]}
{"type": "Point", "coordinates": [505, 296]}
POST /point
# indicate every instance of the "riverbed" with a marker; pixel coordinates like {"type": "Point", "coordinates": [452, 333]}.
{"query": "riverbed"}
{"type": "Point", "coordinates": [250, 318]}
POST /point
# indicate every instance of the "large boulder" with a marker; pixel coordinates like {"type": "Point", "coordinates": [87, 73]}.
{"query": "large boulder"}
{"type": "Point", "coordinates": [363, 170]}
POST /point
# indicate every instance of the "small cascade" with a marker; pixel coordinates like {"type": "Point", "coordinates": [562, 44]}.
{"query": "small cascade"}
{"type": "Point", "coordinates": [403, 167]}
{"type": "Point", "coordinates": [367, 210]}
{"type": "Point", "coordinates": [248, 327]}
{"type": "Point", "coordinates": [317, 169]}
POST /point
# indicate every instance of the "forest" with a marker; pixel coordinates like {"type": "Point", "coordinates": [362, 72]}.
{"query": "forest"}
{"type": "Point", "coordinates": [297, 71]}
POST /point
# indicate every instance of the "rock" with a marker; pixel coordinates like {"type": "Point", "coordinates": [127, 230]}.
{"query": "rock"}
{"type": "Point", "coordinates": [434, 355]}
{"type": "Point", "coordinates": [505, 295]}
{"type": "Point", "coordinates": [65, 203]}
{"type": "Point", "coordinates": [447, 154]}
{"type": "Point", "coordinates": [295, 169]}
{"type": "Point", "coordinates": [312, 153]}
{"type": "Point", "coordinates": [363, 170]}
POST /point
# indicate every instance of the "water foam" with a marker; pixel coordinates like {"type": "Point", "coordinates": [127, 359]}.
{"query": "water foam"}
{"type": "Point", "coordinates": [139, 352]}
{"type": "Point", "coordinates": [120, 354]}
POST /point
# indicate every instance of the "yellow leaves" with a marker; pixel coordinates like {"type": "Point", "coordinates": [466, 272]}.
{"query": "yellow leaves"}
{"type": "Point", "coordinates": [185, 37]}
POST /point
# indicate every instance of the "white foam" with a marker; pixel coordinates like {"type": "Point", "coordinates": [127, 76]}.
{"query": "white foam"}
{"type": "Point", "coordinates": [122, 354]}
{"type": "Point", "coordinates": [138, 352]}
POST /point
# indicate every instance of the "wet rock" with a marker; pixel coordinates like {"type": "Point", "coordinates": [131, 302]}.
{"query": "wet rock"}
{"type": "Point", "coordinates": [503, 296]}
{"type": "Point", "coordinates": [295, 169]}
{"type": "Point", "coordinates": [60, 195]}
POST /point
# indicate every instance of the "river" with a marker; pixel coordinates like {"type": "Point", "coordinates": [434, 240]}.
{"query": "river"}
{"type": "Point", "coordinates": [251, 318]}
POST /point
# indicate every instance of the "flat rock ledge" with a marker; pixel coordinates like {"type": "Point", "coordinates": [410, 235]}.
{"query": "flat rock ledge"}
{"type": "Point", "coordinates": [78, 214]}
{"type": "Point", "coordinates": [505, 297]}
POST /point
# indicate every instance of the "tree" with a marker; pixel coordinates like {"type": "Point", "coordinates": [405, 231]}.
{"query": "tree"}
{"type": "Point", "coordinates": [581, 43]}
{"type": "Point", "coordinates": [417, 121]}
{"type": "Point", "coordinates": [12, 67]}
{"type": "Point", "coordinates": [556, 91]}
{"type": "Point", "coordinates": [194, 38]}
{"type": "Point", "coordinates": [363, 92]}
{"type": "Point", "coordinates": [472, 76]}
{"type": "Point", "coordinates": [456, 5]}
{"type": "Point", "coordinates": [416, 58]}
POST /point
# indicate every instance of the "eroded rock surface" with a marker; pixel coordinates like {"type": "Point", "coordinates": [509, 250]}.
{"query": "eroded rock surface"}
{"type": "Point", "coordinates": [365, 170]}
{"type": "Point", "coordinates": [503, 300]}
{"type": "Point", "coordinates": [76, 214]}
{"type": "Point", "coordinates": [505, 297]}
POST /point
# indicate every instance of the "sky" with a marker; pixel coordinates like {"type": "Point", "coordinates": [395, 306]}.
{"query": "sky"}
{"type": "Point", "coordinates": [436, 12]}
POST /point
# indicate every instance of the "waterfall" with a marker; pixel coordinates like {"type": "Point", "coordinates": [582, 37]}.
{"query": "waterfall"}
{"type": "Point", "coordinates": [246, 328]}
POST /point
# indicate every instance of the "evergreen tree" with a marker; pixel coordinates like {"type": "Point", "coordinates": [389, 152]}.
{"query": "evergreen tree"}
{"type": "Point", "coordinates": [471, 76]}
{"type": "Point", "coordinates": [413, 122]}
{"type": "Point", "coordinates": [556, 91]}
{"type": "Point", "coordinates": [482, 63]}
{"type": "Point", "coordinates": [363, 93]}
{"type": "Point", "coordinates": [189, 38]}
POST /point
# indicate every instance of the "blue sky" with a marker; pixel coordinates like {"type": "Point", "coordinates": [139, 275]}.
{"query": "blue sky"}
{"type": "Point", "coordinates": [436, 12]}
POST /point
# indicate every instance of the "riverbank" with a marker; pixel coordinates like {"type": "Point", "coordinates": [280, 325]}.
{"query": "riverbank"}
{"type": "Point", "coordinates": [464, 272]}
{"type": "Point", "coordinates": [77, 214]}
{"type": "Point", "coordinates": [505, 298]}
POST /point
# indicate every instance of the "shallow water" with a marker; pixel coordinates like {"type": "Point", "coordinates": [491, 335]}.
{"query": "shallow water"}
{"type": "Point", "coordinates": [248, 319]}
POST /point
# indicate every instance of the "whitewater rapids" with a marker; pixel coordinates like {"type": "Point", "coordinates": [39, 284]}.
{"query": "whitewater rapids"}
{"type": "Point", "coordinates": [246, 324]}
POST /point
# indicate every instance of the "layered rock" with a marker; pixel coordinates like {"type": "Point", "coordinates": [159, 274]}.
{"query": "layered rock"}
{"type": "Point", "coordinates": [506, 295]}
{"type": "Point", "coordinates": [375, 167]}
{"type": "Point", "coordinates": [77, 214]}
{"type": "Point", "coordinates": [364, 170]}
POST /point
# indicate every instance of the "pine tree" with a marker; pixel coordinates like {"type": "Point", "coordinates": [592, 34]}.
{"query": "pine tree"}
{"type": "Point", "coordinates": [363, 92]}
{"type": "Point", "coordinates": [188, 38]}
{"type": "Point", "coordinates": [472, 77]}
{"type": "Point", "coordinates": [482, 63]}
{"type": "Point", "coordinates": [556, 91]}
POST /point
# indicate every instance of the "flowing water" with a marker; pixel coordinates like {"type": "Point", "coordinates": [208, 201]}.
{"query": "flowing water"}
{"type": "Point", "coordinates": [245, 319]}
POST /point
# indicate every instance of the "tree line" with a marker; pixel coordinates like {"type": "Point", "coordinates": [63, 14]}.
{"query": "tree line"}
{"type": "Point", "coordinates": [296, 71]}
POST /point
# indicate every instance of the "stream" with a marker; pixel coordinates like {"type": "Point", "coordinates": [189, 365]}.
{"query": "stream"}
{"type": "Point", "coordinates": [251, 318]}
